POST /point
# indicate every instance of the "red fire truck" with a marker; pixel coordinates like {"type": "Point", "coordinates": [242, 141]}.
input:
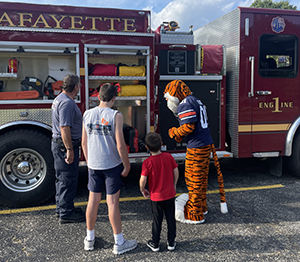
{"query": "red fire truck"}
{"type": "Point", "coordinates": [40, 44]}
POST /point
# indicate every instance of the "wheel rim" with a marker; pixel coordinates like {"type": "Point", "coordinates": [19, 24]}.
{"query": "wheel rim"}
{"type": "Point", "coordinates": [22, 170]}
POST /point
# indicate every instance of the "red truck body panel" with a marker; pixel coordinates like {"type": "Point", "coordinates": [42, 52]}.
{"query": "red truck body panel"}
{"type": "Point", "coordinates": [262, 101]}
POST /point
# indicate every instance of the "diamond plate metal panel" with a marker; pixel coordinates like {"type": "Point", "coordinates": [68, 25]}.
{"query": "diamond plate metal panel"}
{"type": "Point", "coordinates": [226, 31]}
{"type": "Point", "coordinates": [39, 115]}
{"type": "Point", "coordinates": [176, 39]}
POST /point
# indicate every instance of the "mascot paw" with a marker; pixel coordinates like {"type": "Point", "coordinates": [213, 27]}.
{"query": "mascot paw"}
{"type": "Point", "coordinates": [178, 138]}
{"type": "Point", "coordinates": [224, 209]}
{"type": "Point", "coordinates": [171, 132]}
{"type": "Point", "coordinates": [194, 222]}
{"type": "Point", "coordinates": [179, 215]}
{"type": "Point", "coordinates": [180, 202]}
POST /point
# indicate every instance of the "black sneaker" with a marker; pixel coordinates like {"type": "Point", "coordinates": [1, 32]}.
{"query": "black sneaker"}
{"type": "Point", "coordinates": [73, 218]}
{"type": "Point", "coordinates": [77, 210]}
{"type": "Point", "coordinates": [171, 246]}
{"type": "Point", "coordinates": [154, 246]}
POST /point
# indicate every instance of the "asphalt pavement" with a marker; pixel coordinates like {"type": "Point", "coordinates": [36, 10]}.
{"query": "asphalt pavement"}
{"type": "Point", "coordinates": [262, 223]}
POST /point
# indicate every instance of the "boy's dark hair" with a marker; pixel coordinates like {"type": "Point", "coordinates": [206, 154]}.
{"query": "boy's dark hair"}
{"type": "Point", "coordinates": [153, 141]}
{"type": "Point", "coordinates": [107, 92]}
{"type": "Point", "coordinates": [69, 82]}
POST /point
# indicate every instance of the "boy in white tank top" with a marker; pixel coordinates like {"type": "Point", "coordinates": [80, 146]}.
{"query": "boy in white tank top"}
{"type": "Point", "coordinates": [106, 154]}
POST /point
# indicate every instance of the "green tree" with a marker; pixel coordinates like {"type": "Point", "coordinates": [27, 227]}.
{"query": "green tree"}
{"type": "Point", "coordinates": [270, 4]}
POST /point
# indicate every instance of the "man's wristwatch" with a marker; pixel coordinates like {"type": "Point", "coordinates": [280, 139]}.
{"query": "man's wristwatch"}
{"type": "Point", "coordinates": [69, 149]}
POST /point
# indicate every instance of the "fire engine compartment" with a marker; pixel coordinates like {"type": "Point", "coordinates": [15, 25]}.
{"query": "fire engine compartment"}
{"type": "Point", "coordinates": [132, 66]}
{"type": "Point", "coordinates": [40, 65]}
{"type": "Point", "coordinates": [28, 67]}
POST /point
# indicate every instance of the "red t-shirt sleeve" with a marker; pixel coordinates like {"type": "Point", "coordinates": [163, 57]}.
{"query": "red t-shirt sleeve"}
{"type": "Point", "coordinates": [145, 168]}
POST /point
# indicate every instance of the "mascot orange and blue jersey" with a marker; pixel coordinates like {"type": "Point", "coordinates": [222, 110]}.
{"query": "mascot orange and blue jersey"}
{"type": "Point", "coordinates": [193, 122]}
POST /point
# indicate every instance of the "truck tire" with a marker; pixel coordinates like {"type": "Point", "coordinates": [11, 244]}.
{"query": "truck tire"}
{"type": "Point", "coordinates": [27, 176]}
{"type": "Point", "coordinates": [293, 161]}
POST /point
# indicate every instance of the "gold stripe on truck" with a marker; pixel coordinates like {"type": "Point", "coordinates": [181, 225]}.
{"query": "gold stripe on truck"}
{"type": "Point", "coordinates": [264, 128]}
{"type": "Point", "coordinates": [82, 71]}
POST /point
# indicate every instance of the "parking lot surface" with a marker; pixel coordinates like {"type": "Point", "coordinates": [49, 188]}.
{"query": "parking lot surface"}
{"type": "Point", "coordinates": [262, 223]}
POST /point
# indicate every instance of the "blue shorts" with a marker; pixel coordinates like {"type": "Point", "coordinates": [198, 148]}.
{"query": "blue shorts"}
{"type": "Point", "coordinates": [109, 178]}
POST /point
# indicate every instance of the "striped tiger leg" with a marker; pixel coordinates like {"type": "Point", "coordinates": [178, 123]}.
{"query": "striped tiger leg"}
{"type": "Point", "coordinates": [196, 172]}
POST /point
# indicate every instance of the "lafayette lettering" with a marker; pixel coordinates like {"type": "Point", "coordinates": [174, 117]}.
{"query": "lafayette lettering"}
{"type": "Point", "coordinates": [68, 22]}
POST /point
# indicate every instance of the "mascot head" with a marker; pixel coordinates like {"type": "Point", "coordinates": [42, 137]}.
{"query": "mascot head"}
{"type": "Point", "coordinates": [174, 93]}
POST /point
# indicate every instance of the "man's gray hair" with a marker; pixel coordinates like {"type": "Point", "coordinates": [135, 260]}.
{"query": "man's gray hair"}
{"type": "Point", "coordinates": [69, 82]}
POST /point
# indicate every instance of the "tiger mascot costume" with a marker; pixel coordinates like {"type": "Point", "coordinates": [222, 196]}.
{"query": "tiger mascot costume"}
{"type": "Point", "coordinates": [191, 208]}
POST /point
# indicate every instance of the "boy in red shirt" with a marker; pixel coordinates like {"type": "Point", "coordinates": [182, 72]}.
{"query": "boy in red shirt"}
{"type": "Point", "coordinates": [162, 173]}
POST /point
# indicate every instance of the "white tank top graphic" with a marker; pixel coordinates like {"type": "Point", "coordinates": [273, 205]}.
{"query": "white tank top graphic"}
{"type": "Point", "coordinates": [102, 150]}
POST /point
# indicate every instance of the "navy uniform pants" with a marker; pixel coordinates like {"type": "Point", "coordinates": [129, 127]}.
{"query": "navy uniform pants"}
{"type": "Point", "coordinates": [66, 179]}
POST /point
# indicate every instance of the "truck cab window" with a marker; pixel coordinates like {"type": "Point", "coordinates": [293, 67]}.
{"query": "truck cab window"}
{"type": "Point", "coordinates": [277, 56]}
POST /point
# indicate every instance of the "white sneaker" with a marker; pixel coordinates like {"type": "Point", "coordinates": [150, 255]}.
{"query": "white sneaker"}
{"type": "Point", "coordinates": [171, 247]}
{"type": "Point", "coordinates": [89, 244]}
{"type": "Point", "coordinates": [127, 246]}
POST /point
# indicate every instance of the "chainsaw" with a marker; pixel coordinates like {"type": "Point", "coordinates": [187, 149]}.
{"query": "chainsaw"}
{"type": "Point", "coordinates": [52, 89]}
{"type": "Point", "coordinates": [31, 88]}
{"type": "Point", "coordinates": [32, 83]}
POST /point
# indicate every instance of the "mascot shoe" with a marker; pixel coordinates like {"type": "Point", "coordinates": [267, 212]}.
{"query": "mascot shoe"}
{"type": "Point", "coordinates": [194, 222]}
{"type": "Point", "coordinates": [224, 209]}
{"type": "Point", "coordinates": [180, 202]}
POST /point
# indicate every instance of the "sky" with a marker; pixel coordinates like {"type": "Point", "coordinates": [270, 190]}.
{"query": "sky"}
{"type": "Point", "coordinates": [186, 12]}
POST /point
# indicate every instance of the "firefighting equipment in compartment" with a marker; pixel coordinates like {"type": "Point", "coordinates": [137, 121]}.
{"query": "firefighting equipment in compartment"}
{"type": "Point", "coordinates": [32, 83]}
{"type": "Point", "coordinates": [124, 70]}
{"type": "Point", "coordinates": [133, 90]}
{"type": "Point", "coordinates": [118, 87]}
{"type": "Point", "coordinates": [95, 92]}
{"type": "Point", "coordinates": [31, 88]}
{"type": "Point", "coordinates": [18, 95]}
{"type": "Point", "coordinates": [52, 89]}
{"type": "Point", "coordinates": [13, 65]}
{"type": "Point", "coordinates": [131, 138]}
{"type": "Point", "coordinates": [103, 69]}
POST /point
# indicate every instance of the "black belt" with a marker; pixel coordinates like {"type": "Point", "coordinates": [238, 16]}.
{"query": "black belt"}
{"type": "Point", "coordinates": [56, 139]}
{"type": "Point", "coordinates": [59, 140]}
